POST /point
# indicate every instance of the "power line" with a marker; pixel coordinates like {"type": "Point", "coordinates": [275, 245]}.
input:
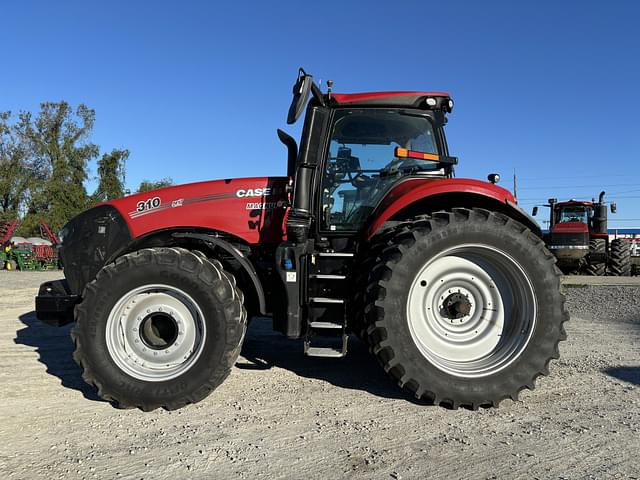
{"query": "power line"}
{"type": "Point", "coordinates": [581, 186]}
{"type": "Point", "coordinates": [544, 200]}
{"type": "Point", "coordinates": [574, 176]}
{"type": "Point", "coordinates": [624, 191]}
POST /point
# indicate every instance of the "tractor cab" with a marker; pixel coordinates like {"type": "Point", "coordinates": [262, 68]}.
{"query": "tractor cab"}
{"type": "Point", "coordinates": [355, 148]}
{"type": "Point", "coordinates": [368, 152]}
{"type": "Point", "coordinates": [570, 212]}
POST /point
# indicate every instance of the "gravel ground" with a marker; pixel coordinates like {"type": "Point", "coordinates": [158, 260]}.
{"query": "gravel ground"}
{"type": "Point", "coordinates": [280, 415]}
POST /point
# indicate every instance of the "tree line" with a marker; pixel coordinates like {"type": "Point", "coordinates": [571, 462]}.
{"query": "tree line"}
{"type": "Point", "coordinates": [44, 165]}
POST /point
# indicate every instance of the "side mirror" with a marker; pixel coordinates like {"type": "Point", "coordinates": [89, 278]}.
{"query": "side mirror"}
{"type": "Point", "coordinates": [301, 91]}
{"type": "Point", "coordinates": [614, 207]}
{"type": "Point", "coordinates": [534, 212]}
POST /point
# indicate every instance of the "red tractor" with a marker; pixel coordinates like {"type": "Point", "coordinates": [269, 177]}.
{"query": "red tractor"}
{"type": "Point", "coordinates": [579, 238]}
{"type": "Point", "coordinates": [446, 279]}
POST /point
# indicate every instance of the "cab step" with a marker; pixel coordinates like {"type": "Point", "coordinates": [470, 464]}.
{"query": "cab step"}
{"type": "Point", "coordinates": [326, 325]}
{"type": "Point", "coordinates": [326, 300]}
{"type": "Point", "coordinates": [326, 276]}
{"type": "Point", "coordinates": [326, 351]}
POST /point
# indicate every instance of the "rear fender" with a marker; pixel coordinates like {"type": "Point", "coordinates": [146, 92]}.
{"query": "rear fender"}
{"type": "Point", "coordinates": [423, 197]}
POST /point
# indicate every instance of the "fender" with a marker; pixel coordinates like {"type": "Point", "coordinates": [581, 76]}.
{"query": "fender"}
{"type": "Point", "coordinates": [235, 253]}
{"type": "Point", "coordinates": [420, 195]}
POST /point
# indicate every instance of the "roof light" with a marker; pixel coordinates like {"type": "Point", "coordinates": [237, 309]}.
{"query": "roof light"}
{"type": "Point", "coordinates": [431, 102]}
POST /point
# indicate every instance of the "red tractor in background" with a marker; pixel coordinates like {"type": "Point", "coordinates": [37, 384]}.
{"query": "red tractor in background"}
{"type": "Point", "coordinates": [578, 236]}
{"type": "Point", "coordinates": [447, 280]}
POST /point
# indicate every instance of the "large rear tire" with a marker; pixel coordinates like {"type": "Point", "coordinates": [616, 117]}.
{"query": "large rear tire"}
{"type": "Point", "coordinates": [464, 308]}
{"type": "Point", "coordinates": [620, 258]}
{"type": "Point", "coordinates": [159, 327]}
{"type": "Point", "coordinates": [367, 258]}
{"type": "Point", "coordinates": [596, 264]}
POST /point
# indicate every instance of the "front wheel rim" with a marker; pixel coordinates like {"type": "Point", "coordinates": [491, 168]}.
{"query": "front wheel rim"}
{"type": "Point", "coordinates": [155, 332]}
{"type": "Point", "coordinates": [471, 310]}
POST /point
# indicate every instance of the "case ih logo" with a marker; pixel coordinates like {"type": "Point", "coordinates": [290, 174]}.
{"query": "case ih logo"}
{"type": "Point", "coordinates": [253, 192]}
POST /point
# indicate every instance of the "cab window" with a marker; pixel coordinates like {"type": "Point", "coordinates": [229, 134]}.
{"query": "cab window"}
{"type": "Point", "coordinates": [362, 166]}
{"type": "Point", "coordinates": [574, 214]}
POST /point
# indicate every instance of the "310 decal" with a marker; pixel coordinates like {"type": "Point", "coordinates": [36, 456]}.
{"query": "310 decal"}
{"type": "Point", "coordinates": [148, 204]}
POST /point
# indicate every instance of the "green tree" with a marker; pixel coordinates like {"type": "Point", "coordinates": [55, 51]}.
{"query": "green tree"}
{"type": "Point", "coordinates": [148, 185]}
{"type": "Point", "coordinates": [18, 172]}
{"type": "Point", "coordinates": [58, 138]}
{"type": "Point", "coordinates": [111, 172]}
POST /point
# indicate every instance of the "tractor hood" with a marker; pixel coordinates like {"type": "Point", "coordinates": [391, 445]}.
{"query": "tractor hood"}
{"type": "Point", "coordinates": [570, 227]}
{"type": "Point", "coordinates": [251, 209]}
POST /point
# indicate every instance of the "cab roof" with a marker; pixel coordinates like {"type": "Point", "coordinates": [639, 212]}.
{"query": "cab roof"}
{"type": "Point", "coordinates": [430, 100]}
{"type": "Point", "coordinates": [574, 203]}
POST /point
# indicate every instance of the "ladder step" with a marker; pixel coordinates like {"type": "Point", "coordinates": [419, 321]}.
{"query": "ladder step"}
{"type": "Point", "coordinates": [325, 325]}
{"type": "Point", "coordinates": [324, 352]}
{"type": "Point", "coordinates": [325, 300]}
{"type": "Point", "coordinates": [326, 276]}
{"type": "Point", "coordinates": [334, 254]}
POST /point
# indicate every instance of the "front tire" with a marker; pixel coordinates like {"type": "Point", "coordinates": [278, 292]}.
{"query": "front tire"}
{"type": "Point", "coordinates": [596, 265]}
{"type": "Point", "coordinates": [159, 327]}
{"type": "Point", "coordinates": [620, 258]}
{"type": "Point", "coordinates": [464, 308]}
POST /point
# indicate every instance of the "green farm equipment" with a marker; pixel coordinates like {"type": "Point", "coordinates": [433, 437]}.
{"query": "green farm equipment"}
{"type": "Point", "coordinates": [4, 258]}
{"type": "Point", "coordinates": [27, 255]}
{"type": "Point", "coordinates": [24, 257]}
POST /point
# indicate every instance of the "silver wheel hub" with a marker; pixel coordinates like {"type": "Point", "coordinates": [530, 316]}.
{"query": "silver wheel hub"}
{"type": "Point", "coordinates": [471, 310]}
{"type": "Point", "coordinates": [155, 332]}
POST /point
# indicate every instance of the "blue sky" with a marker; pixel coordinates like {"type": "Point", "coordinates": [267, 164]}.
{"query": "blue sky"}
{"type": "Point", "coordinates": [196, 90]}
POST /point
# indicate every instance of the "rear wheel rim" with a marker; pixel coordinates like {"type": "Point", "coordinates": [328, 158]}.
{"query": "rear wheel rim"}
{"type": "Point", "coordinates": [155, 332]}
{"type": "Point", "coordinates": [471, 310]}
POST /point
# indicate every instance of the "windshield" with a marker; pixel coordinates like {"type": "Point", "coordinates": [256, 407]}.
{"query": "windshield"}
{"type": "Point", "coordinates": [362, 166]}
{"type": "Point", "coordinates": [574, 214]}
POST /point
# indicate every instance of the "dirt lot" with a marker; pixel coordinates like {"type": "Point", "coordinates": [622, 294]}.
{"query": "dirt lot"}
{"type": "Point", "coordinates": [281, 415]}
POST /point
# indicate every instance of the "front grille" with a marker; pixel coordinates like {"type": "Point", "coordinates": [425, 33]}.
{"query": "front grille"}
{"type": "Point", "coordinates": [569, 239]}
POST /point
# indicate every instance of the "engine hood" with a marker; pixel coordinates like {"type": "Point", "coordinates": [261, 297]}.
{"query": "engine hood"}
{"type": "Point", "coordinates": [252, 209]}
{"type": "Point", "coordinates": [570, 227]}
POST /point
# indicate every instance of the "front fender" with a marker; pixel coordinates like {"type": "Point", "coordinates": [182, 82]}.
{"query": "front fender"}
{"type": "Point", "coordinates": [416, 196]}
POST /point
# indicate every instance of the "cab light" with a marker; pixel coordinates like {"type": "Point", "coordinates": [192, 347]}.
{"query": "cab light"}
{"type": "Point", "coordinates": [404, 153]}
